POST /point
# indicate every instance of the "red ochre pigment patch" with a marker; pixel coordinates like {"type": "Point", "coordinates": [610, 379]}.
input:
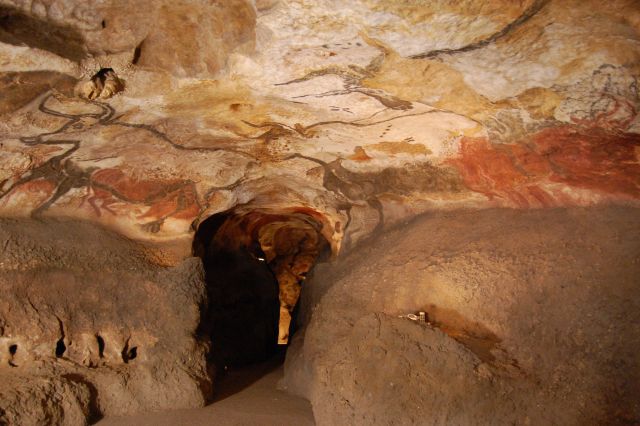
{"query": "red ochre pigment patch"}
{"type": "Point", "coordinates": [38, 191]}
{"type": "Point", "coordinates": [516, 174]}
{"type": "Point", "coordinates": [175, 198]}
{"type": "Point", "coordinates": [133, 189]}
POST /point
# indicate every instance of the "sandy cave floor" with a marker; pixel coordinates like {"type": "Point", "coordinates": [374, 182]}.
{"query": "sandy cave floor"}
{"type": "Point", "coordinates": [249, 396]}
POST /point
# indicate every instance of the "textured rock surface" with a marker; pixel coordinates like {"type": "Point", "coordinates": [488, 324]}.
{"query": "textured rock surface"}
{"type": "Point", "coordinates": [367, 114]}
{"type": "Point", "coordinates": [188, 38]}
{"type": "Point", "coordinates": [37, 400]}
{"type": "Point", "coordinates": [533, 321]}
{"type": "Point", "coordinates": [99, 315]}
{"type": "Point", "coordinates": [360, 115]}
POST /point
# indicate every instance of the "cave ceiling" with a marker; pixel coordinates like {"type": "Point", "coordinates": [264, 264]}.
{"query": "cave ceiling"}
{"type": "Point", "coordinates": [360, 114]}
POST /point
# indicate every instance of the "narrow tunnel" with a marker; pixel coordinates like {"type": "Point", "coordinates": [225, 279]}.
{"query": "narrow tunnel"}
{"type": "Point", "coordinates": [255, 263]}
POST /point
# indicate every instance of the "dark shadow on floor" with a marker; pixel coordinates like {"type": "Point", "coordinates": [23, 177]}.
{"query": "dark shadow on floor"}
{"type": "Point", "coordinates": [235, 380]}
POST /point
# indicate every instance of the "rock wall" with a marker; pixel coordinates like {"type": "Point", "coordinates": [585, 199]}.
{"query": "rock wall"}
{"type": "Point", "coordinates": [187, 38]}
{"type": "Point", "coordinates": [532, 319]}
{"type": "Point", "coordinates": [92, 325]}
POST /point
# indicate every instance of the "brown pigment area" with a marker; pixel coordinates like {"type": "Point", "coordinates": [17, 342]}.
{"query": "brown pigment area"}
{"type": "Point", "coordinates": [396, 180]}
{"type": "Point", "coordinates": [176, 198]}
{"type": "Point", "coordinates": [475, 336]}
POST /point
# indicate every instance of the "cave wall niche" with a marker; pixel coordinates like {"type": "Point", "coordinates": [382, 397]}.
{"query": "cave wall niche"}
{"type": "Point", "coordinates": [255, 263]}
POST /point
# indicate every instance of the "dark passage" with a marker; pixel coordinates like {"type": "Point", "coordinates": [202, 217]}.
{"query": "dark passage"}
{"type": "Point", "coordinates": [255, 263]}
{"type": "Point", "coordinates": [242, 318]}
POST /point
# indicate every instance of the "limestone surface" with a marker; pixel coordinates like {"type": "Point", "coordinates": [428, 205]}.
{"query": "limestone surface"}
{"type": "Point", "coordinates": [92, 325]}
{"type": "Point", "coordinates": [126, 125]}
{"type": "Point", "coordinates": [368, 113]}
{"type": "Point", "coordinates": [531, 319]}
{"type": "Point", "coordinates": [188, 38]}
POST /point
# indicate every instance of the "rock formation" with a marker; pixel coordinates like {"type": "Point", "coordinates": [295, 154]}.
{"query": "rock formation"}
{"type": "Point", "coordinates": [143, 141]}
{"type": "Point", "coordinates": [93, 324]}
{"type": "Point", "coordinates": [186, 38]}
{"type": "Point", "coordinates": [522, 329]}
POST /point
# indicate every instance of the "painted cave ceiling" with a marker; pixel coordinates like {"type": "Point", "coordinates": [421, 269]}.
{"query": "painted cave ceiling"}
{"type": "Point", "coordinates": [361, 114]}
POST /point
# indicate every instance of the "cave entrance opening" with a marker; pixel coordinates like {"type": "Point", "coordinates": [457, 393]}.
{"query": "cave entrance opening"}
{"type": "Point", "coordinates": [255, 263]}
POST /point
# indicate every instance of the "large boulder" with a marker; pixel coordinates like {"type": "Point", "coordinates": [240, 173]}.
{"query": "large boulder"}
{"type": "Point", "coordinates": [532, 319]}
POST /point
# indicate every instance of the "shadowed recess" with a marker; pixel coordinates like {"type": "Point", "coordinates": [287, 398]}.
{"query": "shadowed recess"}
{"type": "Point", "coordinates": [18, 28]}
{"type": "Point", "coordinates": [255, 263]}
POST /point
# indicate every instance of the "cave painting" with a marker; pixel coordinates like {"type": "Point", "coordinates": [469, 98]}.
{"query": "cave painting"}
{"type": "Point", "coordinates": [547, 168]}
{"type": "Point", "coordinates": [51, 177]}
{"type": "Point", "coordinates": [572, 164]}
{"type": "Point", "coordinates": [181, 167]}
